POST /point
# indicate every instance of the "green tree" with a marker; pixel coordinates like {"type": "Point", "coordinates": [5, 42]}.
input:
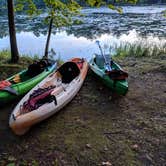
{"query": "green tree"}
{"type": "Point", "coordinates": [60, 13]}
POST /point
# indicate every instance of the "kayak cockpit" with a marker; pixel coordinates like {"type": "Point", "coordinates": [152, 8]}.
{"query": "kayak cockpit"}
{"type": "Point", "coordinates": [69, 71]}
{"type": "Point", "coordinates": [55, 84]}
{"type": "Point", "coordinates": [33, 70]}
{"type": "Point", "coordinates": [99, 61]}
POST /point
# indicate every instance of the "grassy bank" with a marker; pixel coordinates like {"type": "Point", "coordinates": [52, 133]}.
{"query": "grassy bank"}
{"type": "Point", "coordinates": [7, 68]}
{"type": "Point", "coordinates": [5, 56]}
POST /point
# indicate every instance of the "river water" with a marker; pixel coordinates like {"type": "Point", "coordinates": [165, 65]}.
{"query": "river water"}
{"type": "Point", "coordinates": [145, 23]}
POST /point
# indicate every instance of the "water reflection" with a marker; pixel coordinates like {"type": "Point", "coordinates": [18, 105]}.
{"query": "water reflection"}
{"type": "Point", "coordinates": [68, 46]}
{"type": "Point", "coordinates": [134, 25]}
{"type": "Point", "coordinates": [147, 20]}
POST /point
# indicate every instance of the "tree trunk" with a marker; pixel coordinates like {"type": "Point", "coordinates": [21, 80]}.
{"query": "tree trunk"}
{"type": "Point", "coordinates": [12, 32]}
{"type": "Point", "coordinates": [48, 39]}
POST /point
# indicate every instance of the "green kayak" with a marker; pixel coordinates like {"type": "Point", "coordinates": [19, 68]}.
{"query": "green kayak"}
{"type": "Point", "coordinates": [118, 86]}
{"type": "Point", "coordinates": [20, 83]}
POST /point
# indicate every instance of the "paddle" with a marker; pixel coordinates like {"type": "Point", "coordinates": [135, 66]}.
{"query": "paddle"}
{"type": "Point", "coordinates": [113, 73]}
{"type": "Point", "coordinates": [106, 59]}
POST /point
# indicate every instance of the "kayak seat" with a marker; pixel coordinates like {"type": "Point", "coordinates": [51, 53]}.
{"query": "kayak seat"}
{"type": "Point", "coordinates": [36, 68]}
{"type": "Point", "coordinates": [69, 71]}
{"type": "Point", "coordinates": [99, 60]}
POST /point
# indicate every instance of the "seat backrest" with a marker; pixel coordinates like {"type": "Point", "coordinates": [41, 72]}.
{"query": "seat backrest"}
{"type": "Point", "coordinates": [99, 60]}
{"type": "Point", "coordinates": [36, 68]}
{"type": "Point", "coordinates": [69, 71]}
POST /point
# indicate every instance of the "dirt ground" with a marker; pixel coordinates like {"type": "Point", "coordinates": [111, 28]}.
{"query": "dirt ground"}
{"type": "Point", "coordinates": [99, 127]}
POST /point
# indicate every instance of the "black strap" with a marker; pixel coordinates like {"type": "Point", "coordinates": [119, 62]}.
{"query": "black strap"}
{"type": "Point", "coordinates": [14, 118]}
{"type": "Point", "coordinates": [54, 99]}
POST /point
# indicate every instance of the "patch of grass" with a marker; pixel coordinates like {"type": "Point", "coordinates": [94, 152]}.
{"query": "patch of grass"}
{"type": "Point", "coordinates": [5, 56]}
{"type": "Point", "coordinates": [8, 69]}
{"type": "Point", "coordinates": [141, 49]}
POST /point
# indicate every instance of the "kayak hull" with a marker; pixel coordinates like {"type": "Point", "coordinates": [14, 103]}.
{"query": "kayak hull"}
{"type": "Point", "coordinates": [64, 93]}
{"type": "Point", "coordinates": [119, 86]}
{"type": "Point", "coordinates": [23, 87]}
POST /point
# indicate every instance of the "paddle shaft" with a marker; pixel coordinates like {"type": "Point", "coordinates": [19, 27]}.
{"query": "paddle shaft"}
{"type": "Point", "coordinates": [107, 63]}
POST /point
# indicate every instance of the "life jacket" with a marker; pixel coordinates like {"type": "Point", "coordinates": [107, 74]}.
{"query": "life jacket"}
{"type": "Point", "coordinates": [38, 98]}
{"type": "Point", "coordinates": [4, 84]}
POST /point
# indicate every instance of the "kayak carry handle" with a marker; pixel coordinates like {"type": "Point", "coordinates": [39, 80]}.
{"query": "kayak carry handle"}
{"type": "Point", "coordinates": [14, 118]}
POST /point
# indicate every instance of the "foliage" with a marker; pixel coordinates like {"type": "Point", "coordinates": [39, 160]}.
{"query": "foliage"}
{"type": "Point", "coordinates": [140, 49]}
{"type": "Point", "coordinates": [164, 13]}
{"type": "Point", "coordinates": [62, 11]}
{"type": "Point", "coordinates": [26, 5]}
{"type": "Point", "coordinates": [40, 3]}
{"type": "Point", "coordinates": [5, 56]}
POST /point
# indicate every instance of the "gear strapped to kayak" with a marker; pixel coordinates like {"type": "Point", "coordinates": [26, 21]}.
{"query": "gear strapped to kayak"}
{"type": "Point", "coordinates": [38, 98]}
{"type": "Point", "coordinates": [117, 74]}
{"type": "Point", "coordinates": [22, 82]}
{"type": "Point", "coordinates": [38, 67]}
{"type": "Point", "coordinates": [6, 86]}
{"type": "Point", "coordinates": [69, 71]}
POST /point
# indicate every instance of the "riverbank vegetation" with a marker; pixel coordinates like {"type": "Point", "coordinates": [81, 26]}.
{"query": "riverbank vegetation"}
{"type": "Point", "coordinates": [7, 68]}
{"type": "Point", "coordinates": [141, 49]}
{"type": "Point", "coordinates": [24, 59]}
